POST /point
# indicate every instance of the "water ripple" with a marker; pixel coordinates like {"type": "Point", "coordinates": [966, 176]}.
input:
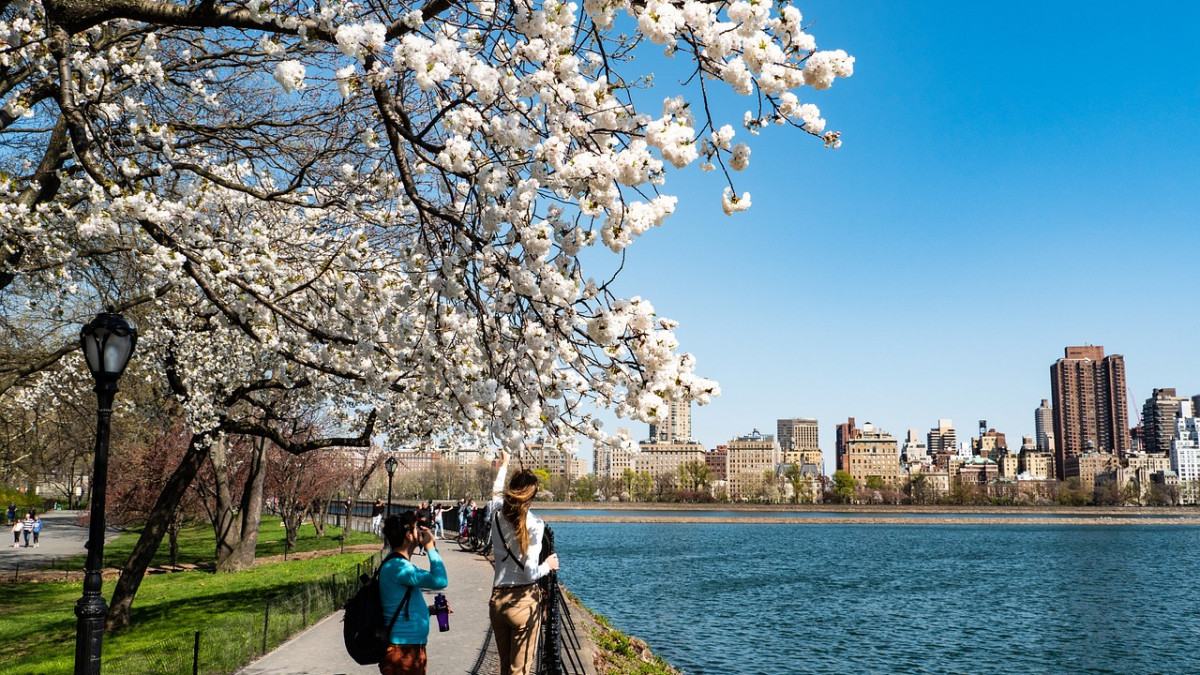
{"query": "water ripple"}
{"type": "Point", "coordinates": [718, 598]}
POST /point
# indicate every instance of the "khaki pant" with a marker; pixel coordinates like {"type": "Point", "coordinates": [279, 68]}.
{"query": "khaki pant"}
{"type": "Point", "coordinates": [516, 614]}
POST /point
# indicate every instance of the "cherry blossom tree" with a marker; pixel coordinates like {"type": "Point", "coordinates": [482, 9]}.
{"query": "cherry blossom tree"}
{"type": "Point", "coordinates": [388, 200]}
{"type": "Point", "coordinates": [377, 208]}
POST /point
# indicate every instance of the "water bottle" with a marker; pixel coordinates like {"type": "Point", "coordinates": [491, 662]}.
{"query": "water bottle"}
{"type": "Point", "coordinates": [442, 609]}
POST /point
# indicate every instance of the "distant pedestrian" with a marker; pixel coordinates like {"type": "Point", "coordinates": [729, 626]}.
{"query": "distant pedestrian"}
{"type": "Point", "coordinates": [438, 530]}
{"type": "Point", "coordinates": [425, 520]}
{"type": "Point", "coordinates": [12, 513]}
{"type": "Point", "coordinates": [470, 520]}
{"type": "Point", "coordinates": [464, 515]}
{"type": "Point", "coordinates": [400, 582]}
{"type": "Point", "coordinates": [515, 609]}
{"type": "Point", "coordinates": [27, 527]}
{"type": "Point", "coordinates": [37, 529]}
{"type": "Point", "coordinates": [16, 530]}
{"type": "Point", "coordinates": [377, 510]}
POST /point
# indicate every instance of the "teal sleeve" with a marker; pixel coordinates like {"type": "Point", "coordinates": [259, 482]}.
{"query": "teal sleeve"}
{"type": "Point", "coordinates": [434, 578]}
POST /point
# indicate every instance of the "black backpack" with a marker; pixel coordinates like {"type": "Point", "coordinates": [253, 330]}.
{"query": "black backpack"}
{"type": "Point", "coordinates": [363, 630]}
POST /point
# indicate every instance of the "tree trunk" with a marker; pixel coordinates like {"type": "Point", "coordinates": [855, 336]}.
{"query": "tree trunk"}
{"type": "Point", "coordinates": [173, 536]}
{"type": "Point", "coordinates": [237, 530]}
{"type": "Point", "coordinates": [224, 517]}
{"type": "Point", "coordinates": [292, 520]}
{"type": "Point", "coordinates": [156, 526]}
{"type": "Point", "coordinates": [251, 508]}
{"type": "Point", "coordinates": [319, 514]}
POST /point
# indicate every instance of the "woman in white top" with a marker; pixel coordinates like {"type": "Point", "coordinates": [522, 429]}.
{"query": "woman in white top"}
{"type": "Point", "coordinates": [515, 607]}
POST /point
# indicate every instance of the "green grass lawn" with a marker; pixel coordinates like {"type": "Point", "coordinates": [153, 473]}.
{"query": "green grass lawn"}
{"type": "Point", "coordinates": [197, 547]}
{"type": "Point", "coordinates": [37, 620]}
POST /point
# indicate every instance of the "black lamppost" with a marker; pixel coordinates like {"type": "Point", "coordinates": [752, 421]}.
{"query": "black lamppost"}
{"type": "Point", "coordinates": [108, 343]}
{"type": "Point", "coordinates": [390, 465]}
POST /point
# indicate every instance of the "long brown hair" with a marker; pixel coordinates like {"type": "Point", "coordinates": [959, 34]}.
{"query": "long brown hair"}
{"type": "Point", "coordinates": [521, 489]}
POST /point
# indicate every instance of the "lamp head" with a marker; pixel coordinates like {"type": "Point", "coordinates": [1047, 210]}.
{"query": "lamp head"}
{"type": "Point", "coordinates": [390, 464]}
{"type": "Point", "coordinates": [108, 342]}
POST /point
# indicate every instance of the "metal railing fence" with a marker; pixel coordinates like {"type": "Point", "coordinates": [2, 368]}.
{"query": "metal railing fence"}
{"type": "Point", "coordinates": [231, 642]}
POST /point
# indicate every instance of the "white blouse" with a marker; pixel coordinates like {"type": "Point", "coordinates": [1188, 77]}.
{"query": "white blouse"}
{"type": "Point", "coordinates": [523, 569]}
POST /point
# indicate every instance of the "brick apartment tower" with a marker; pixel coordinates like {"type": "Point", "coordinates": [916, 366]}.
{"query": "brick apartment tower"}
{"type": "Point", "coordinates": [1087, 390]}
{"type": "Point", "coordinates": [845, 432]}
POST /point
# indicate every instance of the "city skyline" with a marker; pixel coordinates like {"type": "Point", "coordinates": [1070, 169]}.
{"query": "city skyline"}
{"type": "Point", "coordinates": [963, 431]}
{"type": "Point", "coordinates": [1000, 194]}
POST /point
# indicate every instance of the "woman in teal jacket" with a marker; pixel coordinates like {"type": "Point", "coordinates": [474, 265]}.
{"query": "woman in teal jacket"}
{"type": "Point", "coordinates": [400, 584]}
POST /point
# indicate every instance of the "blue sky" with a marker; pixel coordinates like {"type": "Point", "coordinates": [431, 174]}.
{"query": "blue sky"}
{"type": "Point", "coordinates": [1015, 178]}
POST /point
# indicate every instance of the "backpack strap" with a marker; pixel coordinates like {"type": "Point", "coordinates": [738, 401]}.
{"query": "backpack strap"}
{"type": "Point", "coordinates": [403, 603]}
{"type": "Point", "coordinates": [402, 606]}
{"type": "Point", "coordinates": [508, 551]}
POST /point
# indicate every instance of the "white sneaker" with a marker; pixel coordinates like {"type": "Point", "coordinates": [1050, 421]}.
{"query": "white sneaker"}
{"type": "Point", "coordinates": [36, 545]}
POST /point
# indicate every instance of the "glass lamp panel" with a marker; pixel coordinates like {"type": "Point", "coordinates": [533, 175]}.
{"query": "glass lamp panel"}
{"type": "Point", "coordinates": [91, 350]}
{"type": "Point", "coordinates": [117, 349]}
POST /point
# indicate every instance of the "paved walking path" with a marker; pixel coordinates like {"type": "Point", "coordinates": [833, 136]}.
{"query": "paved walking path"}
{"type": "Point", "coordinates": [462, 649]}
{"type": "Point", "coordinates": [60, 538]}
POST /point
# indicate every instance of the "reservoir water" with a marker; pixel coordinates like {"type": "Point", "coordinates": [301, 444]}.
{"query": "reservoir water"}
{"type": "Point", "coordinates": [915, 598]}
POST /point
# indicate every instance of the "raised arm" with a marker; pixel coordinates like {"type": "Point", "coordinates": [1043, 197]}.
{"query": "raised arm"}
{"type": "Point", "coordinates": [501, 476]}
{"type": "Point", "coordinates": [433, 578]}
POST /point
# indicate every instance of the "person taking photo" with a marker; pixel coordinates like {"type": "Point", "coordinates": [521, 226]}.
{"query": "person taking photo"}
{"type": "Point", "coordinates": [400, 584]}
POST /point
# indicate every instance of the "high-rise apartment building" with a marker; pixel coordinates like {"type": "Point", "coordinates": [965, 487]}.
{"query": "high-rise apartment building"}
{"type": "Point", "coordinates": [1185, 454]}
{"type": "Point", "coordinates": [845, 432]}
{"type": "Point", "coordinates": [1158, 420]}
{"type": "Point", "coordinates": [1037, 464]}
{"type": "Point", "coordinates": [1043, 426]}
{"type": "Point", "coordinates": [611, 462]}
{"type": "Point", "coordinates": [747, 458]}
{"type": "Point", "coordinates": [717, 460]}
{"type": "Point", "coordinates": [798, 442]}
{"type": "Point", "coordinates": [797, 433]}
{"type": "Point", "coordinates": [914, 451]}
{"type": "Point", "coordinates": [664, 459]}
{"type": "Point", "coordinates": [554, 460]}
{"type": "Point", "coordinates": [1088, 392]}
{"type": "Point", "coordinates": [677, 427]}
{"type": "Point", "coordinates": [941, 439]}
{"type": "Point", "coordinates": [873, 453]}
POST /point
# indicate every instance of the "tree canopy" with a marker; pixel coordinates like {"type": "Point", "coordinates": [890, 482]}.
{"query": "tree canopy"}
{"type": "Point", "coordinates": [377, 206]}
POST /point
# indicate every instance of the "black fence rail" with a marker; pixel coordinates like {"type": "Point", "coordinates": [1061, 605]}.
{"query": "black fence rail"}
{"type": "Point", "coordinates": [60, 568]}
{"type": "Point", "coordinates": [235, 641]}
{"type": "Point", "coordinates": [358, 516]}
